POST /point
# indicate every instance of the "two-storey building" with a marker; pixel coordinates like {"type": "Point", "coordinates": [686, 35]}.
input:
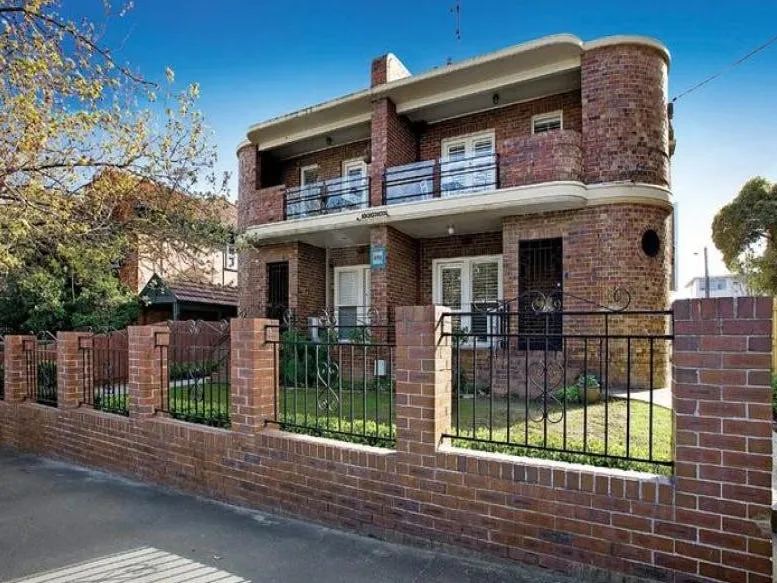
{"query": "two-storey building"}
{"type": "Point", "coordinates": [543, 166]}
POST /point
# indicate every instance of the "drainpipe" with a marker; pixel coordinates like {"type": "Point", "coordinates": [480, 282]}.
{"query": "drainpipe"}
{"type": "Point", "coordinates": [327, 282]}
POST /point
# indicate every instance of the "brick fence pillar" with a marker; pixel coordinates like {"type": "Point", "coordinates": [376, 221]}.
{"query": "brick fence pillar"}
{"type": "Point", "coordinates": [70, 368]}
{"type": "Point", "coordinates": [16, 368]}
{"type": "Point", "coordinates": [147, 368]}
{"type": "Point", "coordinates": [253, 375]}
{"type": "Point", "coordinates": [723, 448]}
{"type": "Point", "coordinates": [423, 384]}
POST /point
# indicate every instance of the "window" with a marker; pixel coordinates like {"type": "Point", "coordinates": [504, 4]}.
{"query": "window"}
{"type": "Point", "coordinates": [546, 122]}
{"type": "Point", "coordinates": [468, 164]}
{"type": "Point", "coordinates": [352, 298]}
{"type": "Point", "coordinates": [230, 257]}
{"type": "Point", "coordinates": [472, 286]}
{"type": "Point", "coordinates": [308, 175]}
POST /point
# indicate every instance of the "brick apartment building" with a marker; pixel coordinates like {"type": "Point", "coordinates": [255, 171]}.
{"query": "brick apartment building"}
{"type": "Point", "coordinates": [544, 166]}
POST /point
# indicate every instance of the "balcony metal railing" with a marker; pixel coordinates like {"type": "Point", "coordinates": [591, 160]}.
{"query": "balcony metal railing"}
{"type": "Point", "coordinates": [330, 196]}
{"type": "Point", "coordinates": [440, 178]}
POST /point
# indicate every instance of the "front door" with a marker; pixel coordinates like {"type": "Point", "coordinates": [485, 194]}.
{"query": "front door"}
{"type": "Point", "coordinates": [540, 279]}
{"type": "Point", "coordinates": [277, 290]}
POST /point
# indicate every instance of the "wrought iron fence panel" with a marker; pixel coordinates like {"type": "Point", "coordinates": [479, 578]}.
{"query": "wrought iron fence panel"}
{"type": "Point", "coordinates": [2, 366]}
{"type": "Point", "coordinates": [105, 376]}
{"type": "Point", "coordinates": [40, 369]}
{"type": "Point", "coordinates": [195, 383]}
{"type": "Point", "coordinates": [576, 385]}
{"type": "Point", "coordinates": [337, 379]}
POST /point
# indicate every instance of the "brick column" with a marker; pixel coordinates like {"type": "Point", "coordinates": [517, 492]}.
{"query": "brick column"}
{"type": "Point", "coordinates": [423, 391]}
{"type": "Point", "coordinates": [70, 367]}
{"type": "Point", "coordinates": [253, 378]}
{"type": "Point", "coordinates": [723, 448]}
{"type": "Point", "coordinates": [15, 368]}
{"type": "Point", "coordinates": [147, 368]}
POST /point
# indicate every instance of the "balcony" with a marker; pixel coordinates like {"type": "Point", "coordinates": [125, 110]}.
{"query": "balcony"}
{"type": "Point", "coordinates": [327, 197]}
{"type": "Point", "coordinates": [441, 178]}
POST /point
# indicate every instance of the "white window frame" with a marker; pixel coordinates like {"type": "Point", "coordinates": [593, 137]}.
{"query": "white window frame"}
{"type": "Point", "coordinates": [466, 283]}
{"type": "Point", "coordinates": [302, 174]}
{"type": "Point", "coordinates": [545, 116]}
{"type": "Point", "coordinates": [470, 181]}
{"type": "Point", "coordinates": [352, 163]}
{"type": "Point", "coordinates": [366, 278]}
{"type": "Point", "coordinates": [469, 141]}
{"type": "Point", "coordinates": [230, 252]}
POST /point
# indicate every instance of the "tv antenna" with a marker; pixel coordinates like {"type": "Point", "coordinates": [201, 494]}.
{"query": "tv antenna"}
{"type": "Point", "coordinates": [456, 11]}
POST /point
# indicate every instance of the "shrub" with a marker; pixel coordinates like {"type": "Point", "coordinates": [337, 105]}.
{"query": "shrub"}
{"type": "Point", "coordinates": [191, 370]}
{"type": "Point", "coordinates": [47, 376]}
{"type": "Point", "coordinates": [774, 396]}
{"type": "Point", "coordinates": [570, 394]}
{"type": "Point", "coordinates": [465, 386]}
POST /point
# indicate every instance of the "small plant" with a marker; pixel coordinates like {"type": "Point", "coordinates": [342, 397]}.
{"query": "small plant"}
{"type": "Point", "coordinates": [570, 394]}
{"type": "Point", "coordinates": [588, 381]}
{"type": "Point", "coordinates": [774, 397]}
{"type": "Point", "coordinates": [466, 387]}
{"type": "Point", "coordinates": [191, 370]}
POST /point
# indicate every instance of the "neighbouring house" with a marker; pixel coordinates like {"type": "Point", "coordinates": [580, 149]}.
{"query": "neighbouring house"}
{"type": "Point", "coordinates": [721, 286]}
{"type": "Point", "coordinates": [176, 285]}
{"type": "Point", "coordinates": [543, 167]}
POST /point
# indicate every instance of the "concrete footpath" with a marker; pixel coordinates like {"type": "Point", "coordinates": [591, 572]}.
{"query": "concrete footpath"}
{"type": "Point", "coordinates": [81, 525]}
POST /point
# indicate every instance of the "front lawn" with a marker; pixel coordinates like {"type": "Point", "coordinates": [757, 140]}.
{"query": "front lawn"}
{"type": "Point", "coordinates": [355, 415]}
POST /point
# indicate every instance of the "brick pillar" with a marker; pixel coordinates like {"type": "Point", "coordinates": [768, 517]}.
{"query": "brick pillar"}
{"type": "Point", "coordinates": [70, 368]}
{"type": "Point", "coordinates": [392, 143]}
{"type": "Point", "coordinates": [15, 368]}
{"type": "Point", "coordinates": [423, 384]}
{"type": "Point", "coordinates": [723, 429]}
{"type": "Point", "coordinates": [253, 378]}
{"type": "Point", "coordinates": [147, 368]}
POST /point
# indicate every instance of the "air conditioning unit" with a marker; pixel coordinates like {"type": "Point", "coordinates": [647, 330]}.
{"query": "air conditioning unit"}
{"type": "Point", "coordinates": [380, 368]}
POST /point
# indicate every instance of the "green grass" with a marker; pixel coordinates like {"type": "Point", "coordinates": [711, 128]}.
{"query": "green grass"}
{"type": "Point", "coordinates": [578, 433]}
{"type": "Point", "coordinates": [208, 404]}
{"type": "Point", "coordinates": [347, 414]}
{"type": "Point", "coordinates": [578, 436]}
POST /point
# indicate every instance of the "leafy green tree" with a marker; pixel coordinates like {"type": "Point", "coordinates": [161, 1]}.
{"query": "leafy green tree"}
{"type": "Point", "coordinates": [744, 231]}
{"type": "Point", "coordinates": [94, 161]}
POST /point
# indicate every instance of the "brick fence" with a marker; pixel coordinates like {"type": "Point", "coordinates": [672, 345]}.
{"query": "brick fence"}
{"type": "Point", "coordinates": [710, 522]}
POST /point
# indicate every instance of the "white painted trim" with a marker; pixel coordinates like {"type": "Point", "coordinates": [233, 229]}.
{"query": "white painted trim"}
{"type": "Point", "coordinates": [353, 162]}
{"type": "Point", "coordinates": [550, 114]}
{"type": "Point", "coordinates": [302, 174]}
{"type": "Point", "coordinates": [534, 198]}
{"type": "Point", "coordinates": [469, 141]}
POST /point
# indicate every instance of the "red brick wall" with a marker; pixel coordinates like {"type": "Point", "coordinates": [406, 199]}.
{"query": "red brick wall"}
{"type": "Point", "coordinates": [709, 523]}
{"type": "Point", "coordinates": [508, 123]}
{"type": "Point", "coordinates": [330, 162]}
{"type": "Point", "coordinates": [544, 157]}
{"type": "Point", "coordinates": [393, 144]}
{"type": "Point", "coordinates": [625, 124]}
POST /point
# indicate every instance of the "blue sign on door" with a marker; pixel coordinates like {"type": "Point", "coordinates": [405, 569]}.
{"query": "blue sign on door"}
{"type": "Point", "coordinates": [378, 256]}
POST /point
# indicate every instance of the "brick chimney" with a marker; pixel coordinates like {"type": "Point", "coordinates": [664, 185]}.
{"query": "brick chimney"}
{"type": "Point", "coordinates": [387, 68]}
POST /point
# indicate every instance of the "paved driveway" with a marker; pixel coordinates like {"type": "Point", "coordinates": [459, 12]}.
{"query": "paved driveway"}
{"type": "Point", "coordinates": [81, 525]}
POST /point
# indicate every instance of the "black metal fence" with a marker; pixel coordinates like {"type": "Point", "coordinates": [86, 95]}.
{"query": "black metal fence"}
{"type": "Point", "coordinates": [336, 376]}
{"type": "Point", "coordinates": [40, 366]}
{"type": "Point", "coordinates": [105, 371]}
{"type": "Point", "coordinates": [327, 197]}
{"type": "Point", "coordinates": [588, 386]}
{"type": "Point", "coordinates": [195, 382]}
{"type": "Point", "coordinates": [429, 179]}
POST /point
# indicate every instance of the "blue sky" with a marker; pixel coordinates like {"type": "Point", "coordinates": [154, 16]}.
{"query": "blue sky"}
{"type": "Point", "coordinates": [255, 59]}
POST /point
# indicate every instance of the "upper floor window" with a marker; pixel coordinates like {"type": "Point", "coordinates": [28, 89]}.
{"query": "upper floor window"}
{"type": "Point", "coordinates": [308, 175]}
{"type": "Point", "coordinates": [468, 164]}
{"type": "Point", "coordinates": [230, 258]}
{"type": "Point", "coordinates": [546, 122]}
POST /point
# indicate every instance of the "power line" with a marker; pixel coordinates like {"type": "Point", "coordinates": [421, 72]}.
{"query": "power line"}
{"type": "Point", "coordinates": [736, 63]}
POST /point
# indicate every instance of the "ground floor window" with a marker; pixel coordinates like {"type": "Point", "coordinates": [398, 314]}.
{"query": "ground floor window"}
{"type": "Point", "coordinates": [352, 299]}
{"type": "Point", "coordinates": [473, 287]}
